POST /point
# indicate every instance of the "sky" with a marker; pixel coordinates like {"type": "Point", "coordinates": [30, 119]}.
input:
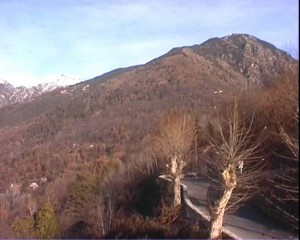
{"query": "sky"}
{"type": "Point", "coordinates": [86, 38]}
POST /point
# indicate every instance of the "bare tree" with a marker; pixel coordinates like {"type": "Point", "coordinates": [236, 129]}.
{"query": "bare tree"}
{"type": "Point", "coordinates": [100, 214]}
{"type": "Point", "coordinates": [291, 142]}
{"type": "Point", "coordinates": [235, 168]}
{"type": "Point", "coordinates": [173, 144]}
{"type": "Point", "coordinates": [284, 182]}
{"type": "Point", "coordinates": [281, 115]}
{"type": "Point", "coordinates": [32, 206]}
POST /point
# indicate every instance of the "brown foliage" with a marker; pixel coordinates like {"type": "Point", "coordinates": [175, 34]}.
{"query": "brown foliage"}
{"type": "Point", "coordinates": [279, 105]}
{"type": "Point", "coordinates": [169, 224]}
{"type": "Point", "coordinates": [173, 144]}
{"type": "Point", "coordinates": [277, 112]}
{"type": "Point", "coordinates": [176, 134]}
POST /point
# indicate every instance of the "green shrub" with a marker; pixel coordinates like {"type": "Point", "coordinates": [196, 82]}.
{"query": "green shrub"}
{"type": "Point", "coordinates": [24, 228]}
{"type": "Point", "coordinates": [47, 224]}
{"type": "Point", "coordinates": [43, 225]}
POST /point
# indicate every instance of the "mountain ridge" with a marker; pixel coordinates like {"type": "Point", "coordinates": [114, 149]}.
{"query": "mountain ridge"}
{"type": "Point", "coordinates": [242, 53]}
{"type": "Point", "coordinates": [233, 63]}
{"type": "Point", "coordinates": [10, 94]}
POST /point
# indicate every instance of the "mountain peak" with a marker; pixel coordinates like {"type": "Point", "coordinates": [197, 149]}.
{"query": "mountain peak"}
{"type": "Point", "coordinates": [10, 94]}
{"type": "Point", "coordinates": [2, 81]}
{"type": "Point", "coordinates": [240, 42]}
{"type": "Point", "coordinates": [245, 53]}
{"type": "Point", "coordinates": [65, 80]}
{"type": "Point", "coordinates": [239, 35]}
{"type": "Point", "coordinates": [58, 81]}
{"type": "Point", "coordinates": [246, 56]}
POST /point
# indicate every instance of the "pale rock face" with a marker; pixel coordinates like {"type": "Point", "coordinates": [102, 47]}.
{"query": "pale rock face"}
{"type": "Point", "coordinates": [44, 179]}
{"type": "Point", "coordinates": [34, 185]}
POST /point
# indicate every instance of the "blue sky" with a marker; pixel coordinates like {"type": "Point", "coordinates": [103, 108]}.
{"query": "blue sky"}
{"type": "Point", "coordinates": [86, 38]}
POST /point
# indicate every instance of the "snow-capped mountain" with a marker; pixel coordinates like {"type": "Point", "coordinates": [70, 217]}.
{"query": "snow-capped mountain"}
{"type": "Point", "coordinates": [11, 95]}
{"type": "Point", "coordinates": [57, 81]}
{"type": "Point", "coordinates": [2, 81]}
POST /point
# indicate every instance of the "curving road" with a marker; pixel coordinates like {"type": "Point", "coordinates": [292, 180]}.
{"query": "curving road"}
{"type": "Point", "coordinates": [246, 223]}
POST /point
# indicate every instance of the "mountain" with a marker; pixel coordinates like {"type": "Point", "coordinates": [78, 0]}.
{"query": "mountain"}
{"type": "Point", "coordinates": [53, 132]}
{"type": "Point", "coordinates": [12, 95]}
{"type": "Point", "coordinates": [115, 112]}
{"type": "Point", "coordinates": [251, 62]}
{"type": "Point", "coordinates": [120, 107]}
{"type": "Point", "coordinates": [185, 76]}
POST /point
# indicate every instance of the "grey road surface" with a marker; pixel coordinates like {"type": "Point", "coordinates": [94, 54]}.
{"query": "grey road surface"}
{"type": "Point", "coordinates": [247, 222]}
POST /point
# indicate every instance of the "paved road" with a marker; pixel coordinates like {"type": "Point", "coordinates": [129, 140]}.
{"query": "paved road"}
{"type": "Point", "coordinates": [247, 222]}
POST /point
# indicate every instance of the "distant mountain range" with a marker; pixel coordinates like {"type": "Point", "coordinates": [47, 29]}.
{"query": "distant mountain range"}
{"type": "Point", "coordinates": [185, 76]}
{"type": "Point", "coordinates": [237, 60]}
{"type": "Point", "coordinates": [12, 95]}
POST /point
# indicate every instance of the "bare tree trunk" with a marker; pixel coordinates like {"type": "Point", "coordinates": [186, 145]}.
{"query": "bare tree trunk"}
{"type": "Point", "coordinates": [217, 219]}
{"type": "Point", "coordinates": [175, 172]}
{"type": "Point", "coordinates": [174, 166]}
{"type": "Point", "coordinates": [177, 194]}
{"type": "Point", "coordinates": [216, 224]}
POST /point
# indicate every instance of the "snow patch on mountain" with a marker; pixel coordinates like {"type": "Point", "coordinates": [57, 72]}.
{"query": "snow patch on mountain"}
{"type": "Point", "coordinates": [11, 95]}
{"type": "Point", "coordinates": [2, 81]}
{"type": "Point", "coordinates": [59, 81]}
